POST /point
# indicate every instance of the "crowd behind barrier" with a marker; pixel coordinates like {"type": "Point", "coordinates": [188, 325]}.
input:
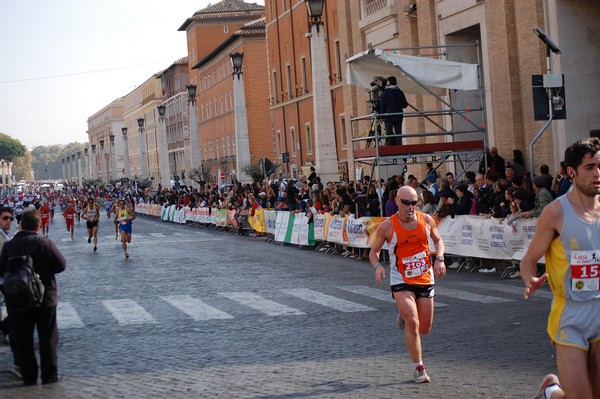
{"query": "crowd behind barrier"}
{"type": "Point", "coordinates": [463, 235]}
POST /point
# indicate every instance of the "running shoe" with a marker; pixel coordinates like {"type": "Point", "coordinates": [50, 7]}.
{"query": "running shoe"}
{"type": "Point", "coordinates": [454, 265]}
{"type": "Point", "coordinates": [400, 322]}
{"type": "Point", "coordinates": [95, 248]}
{"type": "Point", "coordinates": [89, 240]}
{"type": "Point", "coordinates": [126, 255]}
{"type": "Point", "coordinates": [548, 381]}
{"type": "Point", "coordinates": [420, 375]}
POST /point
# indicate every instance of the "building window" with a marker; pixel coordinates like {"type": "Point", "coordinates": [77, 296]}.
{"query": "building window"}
{"type": "Point", "coordinates": [279, 148]}
{"type": "Point", "coordinates": [228, 146]}
{"type": "Point", "coordinates": [308, 138]}
{"type": "Point", "coordinates": [222, 108]}
{"type": "Point", "coordinates": [275, 88]}
{"type": "Point", "coordinates": [205, 152]}
{"type": "Point", "coordinates": [226, 29]}
{"type": "Point", "coordinates": [372, 6]}
{"type": "Point", "coordinates": [338, 61]}
{"type": "Point", "coordinates": [304, 78]}
{"type": "Point", "coordinates": [288, 71]}
{"type": "Point", "coordinates": [343, 131]}
{"type": "Point", "coordinates": [215, 104]}
{"type": "Point", "coordinates": [293, 138]}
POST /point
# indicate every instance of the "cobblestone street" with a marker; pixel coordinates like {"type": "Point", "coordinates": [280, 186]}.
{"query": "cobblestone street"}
{"type": "Point", "coordinates": [199, 313]}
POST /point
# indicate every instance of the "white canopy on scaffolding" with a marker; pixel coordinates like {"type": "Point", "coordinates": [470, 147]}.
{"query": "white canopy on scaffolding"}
{"type": "Point", "coordinates": [432, 74]}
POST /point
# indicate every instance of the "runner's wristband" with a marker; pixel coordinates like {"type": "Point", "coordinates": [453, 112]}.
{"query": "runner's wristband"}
{"type": "Point", "coordinates": [377, 266]}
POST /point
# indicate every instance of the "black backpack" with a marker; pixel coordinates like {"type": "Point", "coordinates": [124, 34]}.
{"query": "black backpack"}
{"type": "Point", "coordinates": [23, 289]}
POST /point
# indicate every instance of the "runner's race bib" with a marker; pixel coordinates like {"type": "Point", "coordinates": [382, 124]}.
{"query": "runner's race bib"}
{"type": "Point", "coordinates": [585, 270]}
{"type": "Point", "coordinates": [415, 265]}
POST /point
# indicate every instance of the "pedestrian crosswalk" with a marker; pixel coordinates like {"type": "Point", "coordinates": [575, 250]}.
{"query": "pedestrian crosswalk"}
{"type": "Point", "coordinates": [144, 237]}
{"type": "Point", "coordinates": [285, 302]}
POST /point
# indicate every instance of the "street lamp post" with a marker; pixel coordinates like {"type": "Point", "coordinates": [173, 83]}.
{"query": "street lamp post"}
{"type": "Point", "coordinates": [113, 158]}
{"type": "Point", "coordinates": [325, 144]}
{"type": "Point", "coordinates": [63, 169]}
{"type": "Point", "coordinates": [74, 175]}
{"type": "Point", "coordinates": [79, 170]}
{"type": "Point", "coordinates": [103, 161]}
{"type": "Point", "coordinates": [195, 155]}
{"type": "Point", "coordinates": [143, 156]}
{"type": "Point", "coordinates": [94, 163]}
{"type": "Point", "coordinates": [126, 171]}
{"type": "Point", "coordinates": [163, 148]}
{"type": "Point", "coordinates": [242, 141]}
{"type": "Point", "coordinates": [87, 162]}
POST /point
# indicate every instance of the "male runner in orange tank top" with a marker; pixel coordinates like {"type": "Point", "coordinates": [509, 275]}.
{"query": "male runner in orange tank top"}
{"type": "Point", "coordinates": [412, 279]}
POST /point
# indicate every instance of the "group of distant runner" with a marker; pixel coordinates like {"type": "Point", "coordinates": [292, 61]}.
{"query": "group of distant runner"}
{"type": "Point", "coordinates": [76, 206]}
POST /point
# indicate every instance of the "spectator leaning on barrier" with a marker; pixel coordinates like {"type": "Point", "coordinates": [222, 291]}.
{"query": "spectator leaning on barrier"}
{"type": "Point", "coordinates": [542, 198]}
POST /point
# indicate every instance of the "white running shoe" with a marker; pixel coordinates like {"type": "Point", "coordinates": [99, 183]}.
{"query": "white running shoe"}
{"type": "Point", "coordinates": [548, 381]}
{"type": "Point", "coordinates": [516, 274]}
{"type": "Point", "coordinates": [420, 375]}
{"type": "Point", "coordinates": [455, 265]}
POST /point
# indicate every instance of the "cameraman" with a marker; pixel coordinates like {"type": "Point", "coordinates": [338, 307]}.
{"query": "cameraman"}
{"type": "Point", "coordinates": [393, 101]}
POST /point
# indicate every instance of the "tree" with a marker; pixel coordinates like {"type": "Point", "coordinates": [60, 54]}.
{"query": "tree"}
{"type": "Point", "coordinates": [46, 163]}
{"type": "Point", "coordinates": [22, 167]}
{"type": "Point", "coordinates": [260, 170]}
{"type": "Point", "coordinates": [47, 160]}
{"type": "Point", "coordinates": [10, 148]}
{"type": "Point", "coordinates": [201, 175]}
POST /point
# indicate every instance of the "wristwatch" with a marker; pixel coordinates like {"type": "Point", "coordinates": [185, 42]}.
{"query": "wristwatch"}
{"type": "Point", "coordinates": [440, 258]}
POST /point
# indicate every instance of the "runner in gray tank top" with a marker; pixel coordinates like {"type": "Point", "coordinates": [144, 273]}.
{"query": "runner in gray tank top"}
{"type": "Point", "coordinates": [568, 234]}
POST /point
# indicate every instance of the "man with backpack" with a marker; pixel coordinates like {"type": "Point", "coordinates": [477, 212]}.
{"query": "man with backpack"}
{"type": "Point", "coordinates": [25, 259]}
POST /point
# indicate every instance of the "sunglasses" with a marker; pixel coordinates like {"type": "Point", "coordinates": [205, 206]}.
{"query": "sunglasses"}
{"type": "Point", "coordinates": [8, 218]}
{"type": "Point", "coordinates": [408, 203]}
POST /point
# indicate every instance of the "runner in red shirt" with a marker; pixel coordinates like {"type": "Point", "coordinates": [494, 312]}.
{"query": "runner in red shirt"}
{"type": "Point", "coordinates": [45, 212]}
{"type": "Point", "coordinates": [69, 215]}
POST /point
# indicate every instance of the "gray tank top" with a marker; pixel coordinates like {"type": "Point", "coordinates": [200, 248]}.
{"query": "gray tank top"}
{"type": "Point", "coordinates": [575, 255]}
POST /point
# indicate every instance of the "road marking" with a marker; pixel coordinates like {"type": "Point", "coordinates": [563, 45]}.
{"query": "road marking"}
{"type": "Point", "coordinates": [469, 296]}
{"type": "Point", "coordinates": [67, 316]}
{"type": "Point", "coordinates": [376, 293]}
{"type": "Point", "coordinates": [195, 308]}
{"type": "Point", "coordinates": [127, 311]}
{"type": "Point", "coordinates": [510, 289]}
{"type": "Point", "coordinates": [327, 300]}
{"type": "Point", "coordinates": [266, 306]}
{"type": "Point", "coordinates": [65, 239]}
{"type": "Point", "coordinates": [157, 235]}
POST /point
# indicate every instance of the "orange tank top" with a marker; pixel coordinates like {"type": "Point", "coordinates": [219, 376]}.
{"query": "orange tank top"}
{"type": "Point", "coordinates": [411, 253]}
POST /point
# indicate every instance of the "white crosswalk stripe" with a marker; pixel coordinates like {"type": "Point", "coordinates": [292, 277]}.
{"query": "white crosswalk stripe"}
{"type": "Point", "coordinates": [327, 300]}
{"type": "Point", "coordinates": [266, 306]}
{"type": "Point", "coordinates": [469, 296]}
{"type": "Point", "coordinates": [376, 293]}
{"type": "Point", "coordinates": [157, 235]}
{"type": "Point", "coordinates": [67, 316]}
{"type": "Point", "coordinates": [195, 308]}
{"type": "Point", "coordinates": [509, 289]}
{"type": "Point", "coordinates": [127, 311]}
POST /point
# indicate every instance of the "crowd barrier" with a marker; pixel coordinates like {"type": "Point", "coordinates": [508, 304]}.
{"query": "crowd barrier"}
{"type": "Point", "coordinates": [469, 236]}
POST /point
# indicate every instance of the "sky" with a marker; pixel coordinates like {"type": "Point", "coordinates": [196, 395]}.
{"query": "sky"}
{"type": "Point", "coordinates": [61, 61]}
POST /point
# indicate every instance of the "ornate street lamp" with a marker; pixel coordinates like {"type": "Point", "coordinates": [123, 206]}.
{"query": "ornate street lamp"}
{"type": "Point", "coordinates": [124, 131]}
{"type": "Point", "coordinates": [143, 156]}
{"type": "Point", "coordinates": [237, 59]}
{"type": "Point", "coordinates": [315, 11]}
{"type": "Point", "coordinates": [161, 111]}
{"type": "Point", "coordinates": [191, 93]}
